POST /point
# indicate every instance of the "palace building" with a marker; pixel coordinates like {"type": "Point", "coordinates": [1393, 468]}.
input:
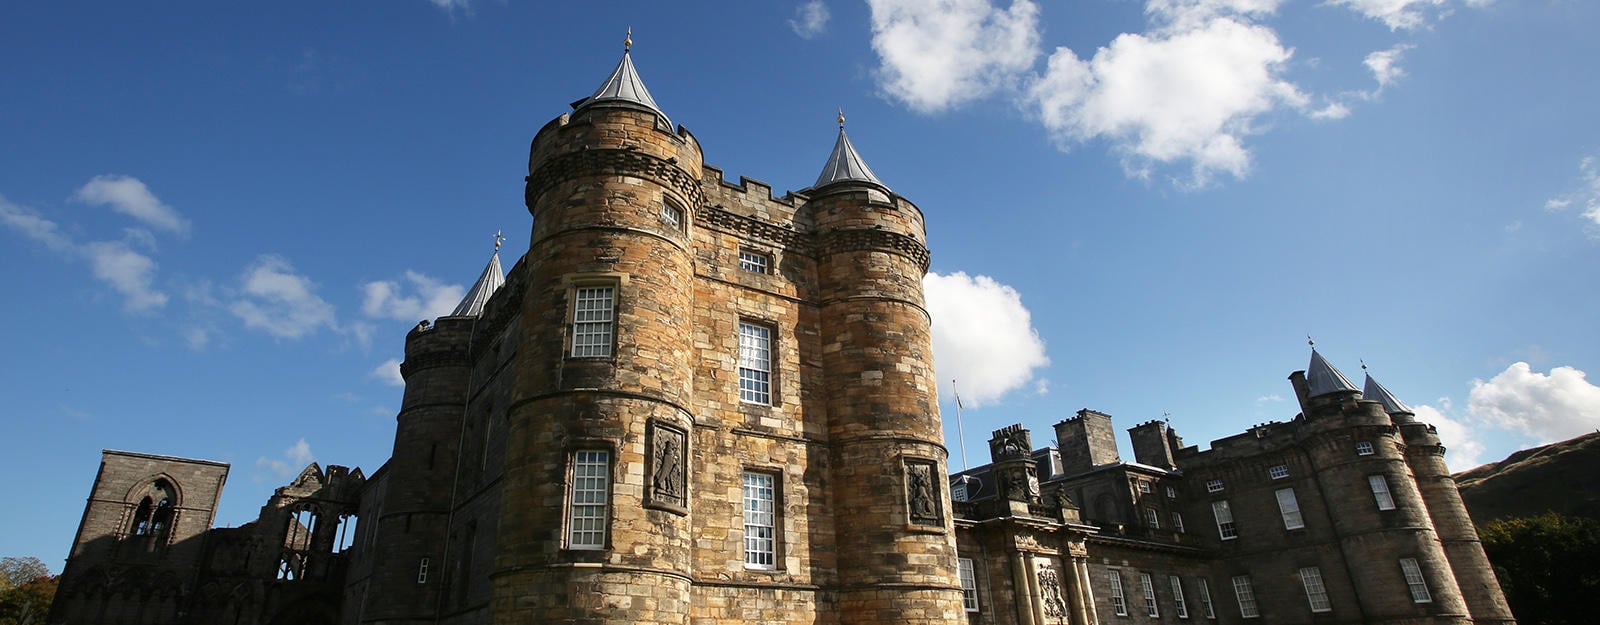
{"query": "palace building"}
{"type": "Point", "coordinates": [697, 402]}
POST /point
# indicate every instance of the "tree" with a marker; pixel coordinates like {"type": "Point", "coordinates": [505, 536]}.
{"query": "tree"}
{"type": "Point", "coordinates": [1549, 566]}
{"type": "Point", "coordinates": [29, 603]}
{"type": "Point", "coordinates": [15, 571]}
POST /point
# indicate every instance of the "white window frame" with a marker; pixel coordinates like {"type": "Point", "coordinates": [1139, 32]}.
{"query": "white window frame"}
{"type": "Point", "coordinates": [1206, 606]}
{"type": "Point", "coordinates": [755, 363]}
{"type": "Point", "coordinates": [755, 262]}
{"type": "Point", "coordinates": [1316, 591]}
{"type": "Point", "coordinates": [1415, 581]}
{"type": "Point", "coordinates": [1380, 491]}
{"type": "Point", "coordinates": [1144, 486]}
{"type": "Point", "coordinates": [760, 520]}
{"type": "Point", "coordinates": [1289, 508]}
{"type": "Point", "coordinates": [1177, 596]}
{"type": "Point", "coordinates": [969, 585]}
{"type": "Point", "coordinates": [422, 571]}
{"type": "Point", "coordinates": [1152, 518]}
{"type": "Point", "coordinates": [1278, 471]}
{"type": "Point", "coordinates": [1226, 530]}
{"type": "Point", "coordinates": [671, 215]}
{"type": "Point", "coordinates": [1177, 521]}
{"type": "Point", "coordinates": [1148, 587]}
{"type": "Point", "coordinates": [1364, 448]}
{"type": "Point", "coordinates": [1119, 602]}
{"type": "Point", "coordinates": [594, 314]}
{"type": "Point", "coordinates": [1246, 595]}
{"type": "Point", "coordinates": [1213, 486]}
{"type": "Point", "coordinates": [1172, 493]}
{"type": "Point", "coordinates": [589, 499]}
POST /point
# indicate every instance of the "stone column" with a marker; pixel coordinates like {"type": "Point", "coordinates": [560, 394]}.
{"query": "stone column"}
{"type": "Point", "coordinates": [1093, 617]}
{"type": "Point", "coordinates": [1024, 590]}
{"type": "Point", "coordinates": [1075, 584]}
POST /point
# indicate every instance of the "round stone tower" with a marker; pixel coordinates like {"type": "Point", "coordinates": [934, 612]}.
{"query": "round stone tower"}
{"type": "Point", "coordinates": [896, 542]}
{"type": "Point", "coordinates": [1378, 540]}
{"type": "Point", "coordinates": [594, 524]}
{"type": "Point", "coordinates": [1425, 456]}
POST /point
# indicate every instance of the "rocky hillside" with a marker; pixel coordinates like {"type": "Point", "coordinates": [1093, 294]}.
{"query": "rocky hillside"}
{"type": "Point", "coordinates": [1564, 477]}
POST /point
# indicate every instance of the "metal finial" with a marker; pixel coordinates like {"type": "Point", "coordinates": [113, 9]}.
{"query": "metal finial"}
{"type": "Point", "coordinates": [498, 238]}
{"type": "Point", "coordinates": [1363, 364]}
{"type": "Point", "coordinates": [841, 119]}
{"type": "Point", "coordinates": [628, 42]}
{"type": "Point", "coordinates": [1309, 341]}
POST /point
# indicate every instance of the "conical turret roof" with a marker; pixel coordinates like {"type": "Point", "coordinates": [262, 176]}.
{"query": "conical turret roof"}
{"type": "Point", "coordinates": [1391, 404]}
{"type": "Point", "coordinates": [844, 164]}
{"type": "Point", "coordinates": [624, 85]}
{"type": "Point", "coordinates": [1322, 378]}
{"type": "Point", "coordinates": [487, 284]}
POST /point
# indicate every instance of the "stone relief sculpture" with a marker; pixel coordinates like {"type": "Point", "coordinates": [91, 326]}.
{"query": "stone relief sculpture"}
{"type": "Point", "coordinates": [921, 498]}
{"type": "Point", "coordinates": [667, 478]}
{"type": "Point", "coordinates": [1050, 590]}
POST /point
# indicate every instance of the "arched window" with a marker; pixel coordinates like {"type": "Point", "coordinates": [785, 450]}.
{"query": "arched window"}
{"type": "Point", "coordinates": [299, 534]}
{"type": "Point", "coordinates": [154, 515]}
{"type": "Point", "coordinates": [346, 534]}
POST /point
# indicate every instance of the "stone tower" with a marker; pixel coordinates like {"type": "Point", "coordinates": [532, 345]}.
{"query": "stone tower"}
{"type": "Point", "coordinates": [897, 556]}
{"type": "Point", "coordinates": [605, 375]}
{"type": "Point", "coordinates": [1425, 456]}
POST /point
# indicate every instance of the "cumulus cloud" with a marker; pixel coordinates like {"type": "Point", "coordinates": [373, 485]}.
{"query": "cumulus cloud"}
{"type": "Point", "coordinates": [115, 263]}
{"type": "Point", "coordinates": [938, 54]}
{"type": "Point", "coordinates": [1180, 95]}
{"type": "Point", "coordinates": [388, 373]}
{"type": "Point", "coordinates": [1460, 437]}
{"type": "Point", "coordinates": [983, 336]}
{"type": "Point", "coordinates": [275, 299]}
{"type": "Point", "coordinates": [1396, 14]}
{"type": "Point", "coordinates": [1549, 407]}
{"type": "Point", "coordinates": [810, 19]}
{"type": "Point", "coordinates": [129, 196]}
{"type": "Point", "coordinates": [426, 298]}
{"type": "Point", "coordinates": [294, 459]}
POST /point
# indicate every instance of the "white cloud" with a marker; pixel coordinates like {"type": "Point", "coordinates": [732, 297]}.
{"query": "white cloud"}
{"type": "Point", "coordinates": [128, 272]}
{"type": "Point", "coordinates": [1269, 398]}
{"type": "Point", "coordinates": [1385, 65]}
{"type": "Point", "coordinates": [276, 299]}
{"type": "Point", "coordinates": [983, 337]}
{"type": "Point", "coordinates": [452, 5]}
{"type": "Point", "coordinates": [810, 19]}
{"type": "Point", "coordinates": [1463, 448]}
{"type": "Point", "coordinates": [1587, 197]}
{"type": "Point", "coordinates": [196, 338]}
{"type": "Point", "coordinates": [430, 298]}
{"type": "Point", "coordinates": [35, 226]}
{"type": "Point", "coordinates": [389, 373]}
{"type": "Point", "coordinates": [295, 458]}
{"type": "Point", "coordinates": [938, 54]}
{"type": "Point", "coordinates": [1549, 407]}
{"type": "Point", "coordinates": [1184, 94]}
{"type": "Point", "coordinates": [1396, 14]}
{"type": "Point", "coordinates": [129, 196]}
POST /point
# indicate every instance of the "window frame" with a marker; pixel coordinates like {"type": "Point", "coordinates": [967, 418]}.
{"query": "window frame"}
{"type": "Point", "coordinates": [1381, 493]}
{"type": "Point", "coordinates": [1207, 607]}
{"type": "Point", "coordinates": [671, 214]}
{"type": "Point", "coordinates": [584, 333]}
{"type": "Point", "coordinates": [1365, 448]}
{"type": "Point", "coordinates": [1144, 487]}
{"type": "Point", "coordinates": [1119, 601]}
{"type": "Point", "coordinates": [1289, 509]}
{"type": "Point", "coordinates": [752, 545]}
{"type": "Point", "coordinates": [1172, 493]}
{"type": "Point", "coordinates": [1177, 522]}
{"type": "Point", "coordinates": [755, 261]}
{"type": "Point", "coordinates": [1416, 582]}
{"type": "Point", "coordinates": [1152, 518]}
{"type": "Point", "coordinates": [1316, 590]}
{"type": "Point", "coordinates": [969, 584]}
{"type": "Point", "coordinates": [1148, 588]}
{"type": "Point", "coordinates": [761, 381]}
{"type": "Point", "coordinates": [1226, 529]}
{"type": "Point", "coordinates": [1245, 593]}
{"type": "Point", "coordinates": [1178, 599]}
{"type": "Point", "coordinates": [588, 524]}
{"type": "Point", "coordinates": [1214, 486]}
{"type": "Point", "coordinates": [1278, 471]}
{"type": "Point", "coordinates": [422, 570]}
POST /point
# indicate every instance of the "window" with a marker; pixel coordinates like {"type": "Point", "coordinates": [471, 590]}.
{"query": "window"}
{"type": "Point", "coordinates": [1363, 448]}
{"type": "Point", "coordinates": [969, 586]}
{"type": "Point", "coordinates": [593, 311]}
{"type": "Point", "coordinates": [422, 571]}
{"type": "Point", "coordinates": [1225, 528]}
{"type": "Point", "coordinates": [958, 490]}
{"type": "Point", "coordinates": [1205, 599]}
{"type": "Point", "coordinates": [1144, 486]}
{"type": "Point", "coordinates": [1177, 522]}
{"type": "Point", "coordinates": [1289, 507]}
{"type": "Point", "coordinates": [1380, 492]}
{"type": "Point", "coordinates": [1213, 486]}
{"type": "Point", "coordinates": [755, 363]}
{"type": "Point", "coordinates": [1172, 493]}
{"type": "Point", "coordinates": [754, 262]}
{"type": "Point", "coordinates": [760, 521]}
{"type": "Point", "coordinates": [671, 215]}
{"type": "Point", "coordinates": [1152, 518]}
{"type": "Point", "coordinates": [1118, 602]}
{"type": "Point", "coordinates": [1278, 471]}
{"type": "Point", "coordinates": [1149, 590]}
{"type": "Point", "coordinates": [1247, 597]}
{"type": "Point", "coordinates": [1316, 593]}
{"type": "Point", "coordinates": [1177, 596]}
{"type": "Point", "coordinates": [591, 475]}
{"type": "Point", "coordinates": [1414, 580]}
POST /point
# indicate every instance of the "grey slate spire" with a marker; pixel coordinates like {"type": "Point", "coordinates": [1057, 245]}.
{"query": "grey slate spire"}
{"type": "Point", "coordinates": [1322, 378]}
{"type": "Point", "coordinates": [487, 284]}
{"type": "Point", "coordinates": [624, 85]}
{"type": "Point", "coordinates": [1391, 404]}
{"type": "Point", "coordinates": [844, 164]}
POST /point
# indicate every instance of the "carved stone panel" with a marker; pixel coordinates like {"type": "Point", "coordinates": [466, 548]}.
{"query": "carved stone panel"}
{"type": "Point", "coordinates": [1050, 597]}
{"type": "Point", "coordinates": [668, 466]}
{"type": "Point", "coordinates": [922, 494]}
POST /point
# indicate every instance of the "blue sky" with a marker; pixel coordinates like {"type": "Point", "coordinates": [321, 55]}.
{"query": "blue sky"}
{"type": "Point", "coordinates": [218, 220]}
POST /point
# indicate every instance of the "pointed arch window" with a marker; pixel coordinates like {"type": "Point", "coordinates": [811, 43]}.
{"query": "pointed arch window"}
{"type": "Point", "coordinates": [154, 515]}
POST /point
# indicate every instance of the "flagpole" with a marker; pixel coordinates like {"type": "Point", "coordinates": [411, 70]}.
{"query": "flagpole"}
{"type": "Point", "coordinates": [960, 431]}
